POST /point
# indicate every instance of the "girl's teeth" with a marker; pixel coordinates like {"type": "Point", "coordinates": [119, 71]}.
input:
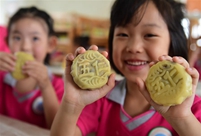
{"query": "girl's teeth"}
{"type": "Point", "coordinates": [136, 63]}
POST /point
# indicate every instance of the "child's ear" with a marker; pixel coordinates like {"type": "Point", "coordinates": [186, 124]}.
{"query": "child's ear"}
{"type": "Point", "coordinates": [52, 44]}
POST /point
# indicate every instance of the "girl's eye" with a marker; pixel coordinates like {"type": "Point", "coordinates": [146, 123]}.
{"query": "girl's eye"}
{"type": "Point", "coordinates": [35, 38]}
{"type": "Point", "coordinates": [150, 35]}
{"type": "Point", "coordinates": [16, 38]}
{"type": "Point", "coordinates": [122, 35]}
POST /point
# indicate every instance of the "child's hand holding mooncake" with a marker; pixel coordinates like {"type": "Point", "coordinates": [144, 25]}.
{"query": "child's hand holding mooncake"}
{"type": "Point", "coordinates": [170, 86]}
{"type": "Point", "coordinates": [168, 83]}
{"type": "Point", "coordinates": [86, 71]}
{"type": "Point", "coordinates": [90, 70]}
{"type": "Point", "coordinates": [7, 62]}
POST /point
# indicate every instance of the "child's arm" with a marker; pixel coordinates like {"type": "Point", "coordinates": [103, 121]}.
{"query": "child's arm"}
{"type": "Point", "coordinates": [186, 126]}
{"type": "Point", "coordinates": [39, 73]}
{"type": "Point", "coordinates": [26, 85]}
{"type": "Point", "coordinates": [65, 120]}
{"type": "Point", "coordinates": [179, 116]}
{"type": "Point", "coordinates": [185, 122]}
{"type": "Point", "coordinates": [50, 103]}
{"type": "Point", "coordinates": [30, 83]}
{"type": "Point", "coordinates": [74, 100]}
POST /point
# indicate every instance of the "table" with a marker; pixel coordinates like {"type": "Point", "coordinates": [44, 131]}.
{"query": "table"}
{"type": "Point", "coordinates": [13, 127]}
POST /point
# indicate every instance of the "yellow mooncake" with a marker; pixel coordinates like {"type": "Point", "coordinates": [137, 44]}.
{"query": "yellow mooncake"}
{"type": "Point", "coordinates": [90, 70]}
{"type": "Point", "coordinates": [168, 83]}
{"type": "Point", "coordinates": [22, 57]}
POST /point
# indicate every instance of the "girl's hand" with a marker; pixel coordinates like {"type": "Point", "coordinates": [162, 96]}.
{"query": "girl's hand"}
{"type": "Point", "coordinates": [73, 94]}
{"type": "Point", "coordinates": [7, 62]}
{"type": "Point", "coordinates": [179, 111]}
{"type": "Point", "coordinates": [38, 71]}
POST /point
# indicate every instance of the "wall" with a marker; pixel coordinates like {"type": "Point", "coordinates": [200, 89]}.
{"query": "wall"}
{"type": "Point", "coordinates": [91, 8]}
{"type": "Point", "coordinates": [194, 5]}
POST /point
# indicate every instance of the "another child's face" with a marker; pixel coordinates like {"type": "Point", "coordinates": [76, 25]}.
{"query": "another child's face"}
{"type": "Point", "coordinates": [31, 36]}
{"type": "Point", "coordinates": [135, 46]}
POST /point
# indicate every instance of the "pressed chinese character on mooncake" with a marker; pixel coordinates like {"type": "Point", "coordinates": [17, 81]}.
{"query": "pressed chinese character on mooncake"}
{"type": "Point", "coordinates": [168, 83]}
{"type": "Point", "coordinates": [90, 70]}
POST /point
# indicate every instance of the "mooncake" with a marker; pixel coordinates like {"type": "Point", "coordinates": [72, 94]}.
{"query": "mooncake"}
{"type": "Point", "coordinates": [168, 83]}
{"type": "Point", "coordinates": [90, 70]}
{"type": "Point", "coordinates": [22, 57]}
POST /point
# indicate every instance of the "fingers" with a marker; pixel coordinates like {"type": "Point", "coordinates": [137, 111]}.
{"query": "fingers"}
{"type": "Point", "coordinates": [69, 59]}
{"type": "Point", "coordinates": [176, 59]}
{"type": "Point", "coordinates": [79, 51]}
{"type": "Point", "coordinates": [142, 88]}
{"type": "Point", "coordinates": [99, 93]}
{"type": "Point", "coordinates": [111, 81]}
{"type": "Point", "coordinates": [6, 67]}
{"type": "Point", "coordinates": [10, 59]}
{"type": "Point", "coordinates": [195, 77]}
{"type": "Point", "coordinates": [104, 53]}
{"type": "Point", "coordinates": [7, 62]}
{"type": "Point", "coordinates": [181, 61]}
{"type": "Point", "coordinates": [36, 70]}
{"type": "Point", "coordinates": [110, 84]}
{"type": "Point", "coordinates": [93, 47]}
{"type": "Point", "coordinates": [165, 57]}
{"type": "Point", "coordinates": [191, 71]}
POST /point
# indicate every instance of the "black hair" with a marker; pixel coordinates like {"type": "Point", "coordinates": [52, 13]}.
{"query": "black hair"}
{"type": "Point", "coordinates": [172, 12]}
{"type": "Point", "coordinates": [33, 12]}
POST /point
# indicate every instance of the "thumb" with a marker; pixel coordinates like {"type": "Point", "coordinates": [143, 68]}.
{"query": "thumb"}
{"type": "Point", "coordinates": [110, 84]}
{"type": "Point", "coordinates": [101, 92]}
{"type": "Point", "coordinates": [142, 88]}
{"type": "Point", "coordinates": [69, 59]}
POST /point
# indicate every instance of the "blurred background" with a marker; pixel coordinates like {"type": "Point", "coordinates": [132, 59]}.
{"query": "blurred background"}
{"type": "Point", "coordinates": [86, 22]}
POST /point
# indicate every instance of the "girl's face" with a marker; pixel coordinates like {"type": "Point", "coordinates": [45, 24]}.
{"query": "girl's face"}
{"type": "Point", "coordinates": [135, 46]}
{"type": "Point", "coordinates": [30, 36]}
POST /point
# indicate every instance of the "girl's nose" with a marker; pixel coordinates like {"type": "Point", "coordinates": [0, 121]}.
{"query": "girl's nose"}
{"type": "Point", "coordinates": [26, 46]}
{"type": "Point", "coordinates": [135, 46]}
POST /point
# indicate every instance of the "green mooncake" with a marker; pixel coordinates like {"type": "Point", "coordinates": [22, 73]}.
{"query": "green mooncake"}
{"type": "Point", "coordinates": [22, 57]}
{"type": "Point", "coordinates": [90, 70]}
{"type": "Point", "coordinates": [168, 83]}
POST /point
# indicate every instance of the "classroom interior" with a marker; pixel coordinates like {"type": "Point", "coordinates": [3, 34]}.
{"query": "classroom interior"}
{"type": "Point", "coordinates": [86, 22]}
